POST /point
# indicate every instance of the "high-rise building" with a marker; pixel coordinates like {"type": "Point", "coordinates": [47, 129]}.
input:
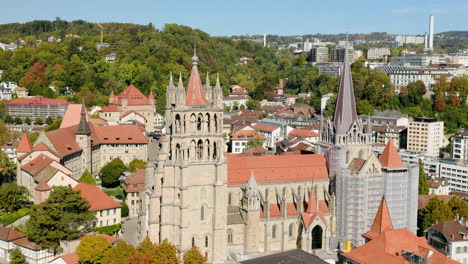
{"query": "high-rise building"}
{"type": "Point", "coordinates": [339, 54]}
{"type": "Point", "coordinates": [426, 135]}
{"type": "Point", "coordinates": [377, 53]}
{"type": "Point", "coordinates": [460, 145]}
{"type": "Point", "coordinates": [319, 54]}
{"type": "Point", "coordinates": [358, 178]}
{"type": "Point", "coordinates": [431, 33]}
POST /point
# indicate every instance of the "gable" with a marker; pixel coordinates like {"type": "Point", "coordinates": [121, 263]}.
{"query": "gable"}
{"type": "Point", "coordinates": [372, 164]}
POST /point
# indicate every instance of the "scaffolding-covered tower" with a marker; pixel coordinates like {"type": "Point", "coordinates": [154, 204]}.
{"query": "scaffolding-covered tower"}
{"type": "Point", "coordinates": [358, 179]}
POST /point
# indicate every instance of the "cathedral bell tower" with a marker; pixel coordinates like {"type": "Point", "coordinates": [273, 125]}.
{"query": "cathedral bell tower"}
{"type": "Point", "coordinates": [251, 211]}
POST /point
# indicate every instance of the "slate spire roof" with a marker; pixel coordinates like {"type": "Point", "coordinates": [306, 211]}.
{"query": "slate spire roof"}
{"type": "Point", "coordinates": [345, 111]}
{"type": "Point", "coordinates": [390, 157]}
{"type": "Point", "coordinates": [83, 127]}
{"type": "Point", "coordinates": [195, 93]}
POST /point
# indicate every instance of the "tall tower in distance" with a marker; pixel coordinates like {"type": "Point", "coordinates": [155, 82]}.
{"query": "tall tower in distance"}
{"type": "Point", "coordinates": [264, 40]}
{"type": "Point", "coordinates": [431, 33]}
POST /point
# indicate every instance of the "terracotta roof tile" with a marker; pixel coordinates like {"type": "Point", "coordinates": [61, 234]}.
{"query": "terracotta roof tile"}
{"type": "Point", "coordinates": [134, 182]}
{"type": "Point", "coordinates": [38, 100]}
{"type": "Point", "coordinates": [24, 145]}
{"type": "Point", "coordinates": [245, 135]}
{"type": "Point", "coordinates": [110, 239]}
{"type": "Point", "coordinates": [42, 186]}
{"type": "Point", "coordinates": [37, 165]}
{"type": "Point", "coordinates": [123, 134]}
{"type": "Point", "coordinates": [195, 94]}
{"type": "Point", "coordinates": [275, 211]}
{"type": "Point", "coordinates": [265, 127]}
{"type": "Point", "coordinates": [268, 169]}
{"type": "Point", "coordinates": [71, 258]}
{"type": "Point", "coordinates": [98, 199]}
{"type": "Point", "coordinates": [382, 221]}
{"type": "Point", "coordinates": [356, 164]}
{"type": "Point", "coordinates": [390, 157]}
{"type": "Point", "coordinates": [388, 247]}
{"type": "Point", "coordinates": [303, 133]}
{"type": "Point", "coordinates": [110, 108]}
{"type": "Point", "coordinates": [130, 112]}
{"type": "Point", "coordinates": [133, 96]}
{"type": "Point", "coordinates": [258, 151]}
{"type": "Point", "coordinates": [64, 140]}
{"type": "Point", "coordinates": [8, 234]}
{"type": "Point", "coordinates": [25, 242]}
{"type": "Point", "coordinates": [72, 116]}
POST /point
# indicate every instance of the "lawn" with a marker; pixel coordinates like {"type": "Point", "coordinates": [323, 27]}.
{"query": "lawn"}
{"type": "Point", "coordinates": [116, 192]}
{"type": "Point", "coordinates": [9, 218]}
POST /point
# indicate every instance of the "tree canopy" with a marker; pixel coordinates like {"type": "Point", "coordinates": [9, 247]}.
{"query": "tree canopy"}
{"type": "Point", "coordinates": [62, 216]}
{"type": "Point", "coordinates": [13, 197]}
{"type": "Point", "coordinates": [193, 256]}
{"type": "Point", "coordinates": [110, 173]}
{"type": "Point", "coordinates": [87, 178]}
{"type": "Point", "coordinates": [136, 164]}
{"type": "Point", "coordinates": [93, 249]}
{"type": "Point", "coordinates": [17, 257]}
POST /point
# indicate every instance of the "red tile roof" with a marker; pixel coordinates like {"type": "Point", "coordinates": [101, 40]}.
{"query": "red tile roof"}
{"type": "Point", "coordinates": [390, 157]}
{"type": "Point", "coordinates": [268, 169]}
{"type": "Point", "coordinates": [72, 116]}
{"type": "Point", "coordinates": [24, 145]}
{"type": "Point", "coordinates": [303, 133]}
{"type": "Point", "coordinates": [98, 199]}
{"type": "Point", "coordinates": [356, 164]}
{"type": "Point", "coordinates": [8, 234]}
{"type": "Point", "coordinates": [129, 112]}
{"type": "Point", "coordinates": [110, 239]}
{"type": "Point", "coordinates": [258, 151]}
{"type": "Point", "coordinates": [42, 186]}
{"type": "Point", "coordinates": [38, 100]}
{"type": "Point", "coordinates": [313, 212]}
{"type": "Point", "coordinates": [64, 140]}
{"type": "Point", "coordinates": [245, 135]}
{"type": "Point", "coordinates": [388, 247]}
{"type": "Point", "coordinates": [382, 221]}
{"type": "Point", "coordinates": [71, 258]}
{"type": "Point", "coordinates": [110, 108]}
{"type": "Point", "coordinates": [99, 122]}
{"type": "Point", "coordinates": [452, 230]}
{"type": "Point", "coordinates": [133, 96]}
{"type": "Point", "coordinates": [134, 182]}
{"type": "Point", "coordinates": [123, 134]}
{"type": "Point", "coordinates": [25, 242]}
{"type": "Point", "coordinates": [275, 211]}
{"type": "Point", "coordinates": [37, 165]}
{"type": "Point", "coordinates": [265, 127]}
{"type": "Point", "coordinates": [195, 94]}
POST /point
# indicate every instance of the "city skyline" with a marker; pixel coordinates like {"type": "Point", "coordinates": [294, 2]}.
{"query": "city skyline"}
{"type": "Point", "coordinates": [261, 17]}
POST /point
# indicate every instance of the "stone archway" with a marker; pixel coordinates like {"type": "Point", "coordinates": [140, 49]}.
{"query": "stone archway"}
{"type": "Point", "coordinates": [317, 235]}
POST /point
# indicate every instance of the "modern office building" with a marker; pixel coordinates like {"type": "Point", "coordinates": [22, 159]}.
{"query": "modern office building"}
{"type": "Point", "coordinates": [319, 54]}
{"type": "Point", "coordinates": [420, 59]}
{"type": "Point", "coordinates": [426, 135]}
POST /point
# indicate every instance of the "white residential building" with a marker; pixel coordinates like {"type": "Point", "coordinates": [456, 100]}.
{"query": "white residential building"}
{"type": "Point", "coordinates": [377, 53]}
{"type": "Point", "coordinates": [419, 59]}
{"type": "Point", "coordinates": [450, 238]}
{"type": "Point", "coordinates": [460, 145]}
{"type": "Point", "coordinates": [233, 100]}
{"type": "Point", "coordinates": [402, 77]}
{"type": "Point", "coordinates": [401, 40]}
{"type": "Point", "coordinates": [426, 135]}
{"type": "Point", "coordinates": [240, 138]}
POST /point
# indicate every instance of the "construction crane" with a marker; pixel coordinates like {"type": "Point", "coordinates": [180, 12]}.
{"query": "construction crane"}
{"type": "Point", "coordinates": [102, 32]}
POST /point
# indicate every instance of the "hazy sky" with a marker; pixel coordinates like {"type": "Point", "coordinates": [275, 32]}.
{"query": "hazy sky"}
{"type": "Point", "coordinates": [224, 17]}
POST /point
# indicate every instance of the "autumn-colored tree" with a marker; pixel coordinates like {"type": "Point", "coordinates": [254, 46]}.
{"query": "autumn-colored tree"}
{"type": "Point", "coordinates": [92, 249]}
{"type": "Point", "coordinates": [454, 100]}
{"type": "Point", "coordinates": [136, 164]}
{"type": "Point", "coordinates": [138, 257]}
{"type": "Point", "coordinates": [165, 253]}
{"type": "Point", "coordinates": [193, 256]}
{"type": "Point", "coordinates": [459, 207]}
{"type": "Point", "coordinates": [439, 104]}
{"type": "Point", "coordinates": [442, 85]}
{"type": "Point", "coordinates": [35, 75]}
{"type": "Point", "coordinates": [146, 246]}
{"type": "Point", "coordinates": [4, 134]}
{"type": "Point", "coordinates": [118, 254]}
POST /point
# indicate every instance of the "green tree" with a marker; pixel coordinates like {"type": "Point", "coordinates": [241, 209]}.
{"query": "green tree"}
{"type": "Point", "coordinates": [193, 256]}
{"type": "Point", "coordinates": [459, 207]}
{"type": "Point", "coordinates": [252, 104]}
{"type": "Point", "coordinates": [124, 211]}
{"type": "Point", "coordinates": [423, 184]}
{"type": "Point", "coordinates": [110, 173]}
{"type": "Point", "coordinates": [9, 168]}
{"type": "Point", "coordinates": [363, 107]}
{"type": "Point", "coordinates": [33, 136]}
{"type": "Point", "coordinates": [416, 91]}
{"type": "Point", "coordinates": [165, 253]}
{"type": "Point", "coordinates": [27, 120]}
{"type": "Point", "coordinates": [13, 197]}
{"type": "Point", "coordinates": [118, 254]}
{"type": "Point", "coordinates": [435, 211]}
{"type": "Point", "coordinates": [136, 164]}
{"type": "Point", "coordinates": [55, 125]}
{"type": "Point", "coordinates": [9, 119]}
{"type": "Point", "coordinates": [38, 121]}
{"type": "Point", "coordinates": [17, 121]}
{"type": "Point", "coordinates": [63, 216]}
{"type": "Point", "coordinates": [256, 141]}
{"type": "Point", "coordinates": [93, 249]}
{"type": "Point", "coordinates": [49, 120]}
{"type": "Point", "coordinates": [146, 246]}
{"type": "Point", "coordinates": [17, 257]}
{"type": "Point", "coordinates": [87, 178]}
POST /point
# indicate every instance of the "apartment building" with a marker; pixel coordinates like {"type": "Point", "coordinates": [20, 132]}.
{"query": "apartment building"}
{"type": "Point", "coordinates": [319, 54]}
{"type": "Point", "coordinates": [460, 145]}
{"type": "Point", "coordinates": [426, 135]}
{"type": "Point", "coordinates": [402, 77]}
{"type": "Point", "coordinates": [377, 53]}
{"type": "Point", "coordinates": [36, 107]}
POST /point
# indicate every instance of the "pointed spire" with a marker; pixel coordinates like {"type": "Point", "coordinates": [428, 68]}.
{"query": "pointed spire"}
{"type": "Point", "coordinates": [24, 145]}
{"type": "Point", "coordinates": [312, 206]}
{"type": "Point", "coordinates": [207, 83]}
{"type": "Point", "coordinates": [390, 157]}
{"type": "Point", "coordinates": [252, 186]}
{"type": "Point", "coordinates": [171, 81]}
{"type": "Point", "coordinates": [369, 127]}
{"type": "Point", "coordinates": [83, 127]}
{"type": "Point", "coordinates": [195, 93]}
{"type": "Point", "coordinates": [382, 221]}
{"type": "Point", "coordinates": [218, 85]}
{"type": "Point", "coordinates": [180, 83]}
{"type": "Point", "coordinates": [345, 111]}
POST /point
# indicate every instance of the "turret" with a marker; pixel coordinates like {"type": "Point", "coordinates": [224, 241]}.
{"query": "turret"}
{"type": "Point", "coordinates": [170, 93]}
{"type": "Point", "coordinates": [208, 89]}
{"type": "Point", "coordinates": [218, 94]}
{"type": "Point", "coordinates": [180, 94]}
{"type": "Point", "coordinates": [251, 207]}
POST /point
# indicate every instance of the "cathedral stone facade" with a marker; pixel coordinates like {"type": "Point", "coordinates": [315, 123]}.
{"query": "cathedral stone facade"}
{"type": "Point", "coordinates": [238, 207]}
